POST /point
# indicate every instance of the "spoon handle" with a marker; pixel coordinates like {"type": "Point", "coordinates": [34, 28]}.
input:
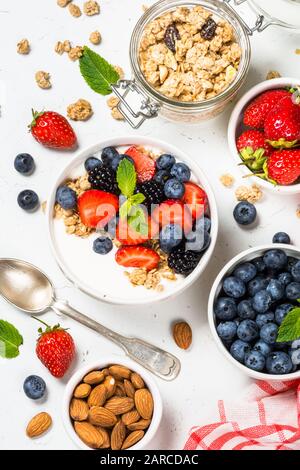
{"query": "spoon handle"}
{"type": "Point", "coordinates": [159, 362]}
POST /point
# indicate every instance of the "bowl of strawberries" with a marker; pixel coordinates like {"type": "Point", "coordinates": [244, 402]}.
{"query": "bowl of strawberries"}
{"type": "Point", "coordinates": [132, 220]}
{"type": "Point", "coordinates": [264, 134]}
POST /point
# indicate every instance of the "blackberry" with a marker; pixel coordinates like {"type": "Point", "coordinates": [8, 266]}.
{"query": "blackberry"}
{"type": "Point", "coordinates": [104, 178]}
{"type": "Point", "coordinates": [182, 261]}
{"type": "Point", "coordinates": [153, 192]}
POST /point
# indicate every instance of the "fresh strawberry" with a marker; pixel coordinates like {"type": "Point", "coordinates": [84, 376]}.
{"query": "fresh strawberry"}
{"type": "Point", "coordinates": [173, 211]}
{"type": "Point", "coordinates": [196, 199]}
{"type": "Point", "coordinates": [255, 114]}
{"type": "Point", "coordinates": [283, 167]}
{"type": "Point", "coordinates": [282, 124]}
{"type": "Point", "coordinates": [96, 208]}
{"type": "Point", "coordinates": [127, 235]}
{"type": "Point", "coordinates": [137, 257]}
{"type": "Point", "coordinates": [144, 165]}
{"type": "Point", "coordinates": [55, 349]}
{"type": "Point", "coordinates": [52, 130]}
{"type": "Point", "coordinates": [253, 140]}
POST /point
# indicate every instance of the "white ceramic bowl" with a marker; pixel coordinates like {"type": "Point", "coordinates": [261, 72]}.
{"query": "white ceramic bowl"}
{"type": "Point", "coordinates": [104, 362]}
{"type": "Point", "coordinates": [73, 254]}
{"type": "Point", "coordinates": [246, 255]}
{"type": "Point", "coordinates": [236, 125]}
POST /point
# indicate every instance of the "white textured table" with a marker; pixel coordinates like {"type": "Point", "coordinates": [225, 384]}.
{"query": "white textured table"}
{"type": "Point", "coordinates": [206, 376]}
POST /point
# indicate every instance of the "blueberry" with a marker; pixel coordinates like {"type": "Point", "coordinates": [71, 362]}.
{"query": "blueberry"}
{"type": "Point", "coordinates": [244, 213]}
{"type": "Point", "coordinates": [66, 198]}
{"type": "Point", "coordinates": [269, 332]}
{"type": "Point", "coordinates": [170, 237]}
{"type": "Point", "coordinates": [245, 271]}
{"type": "Point", "coordinates": [239, 349]}
{"type": "Point", "coordinates": [207, 224]}
{"type": "Point", "coordinates": [245, 310]}
{"type": "Point", "coordinates": [296, 344]}
{"type": "Point", "coordinates": [225, 308]}
{"type": "Point", "coordinates": [234, 287]}
{"type": "Point", "coordinates": [281, 312]}
{"type": "Point", "coordinates": [292, 291]}
{"type": "Point", "coordinates": [161, 176]}
{"type": "Point", "coordinates": [264, 318]}
{"type": "Point", "coordinates": [275, 259]}
{"type": "Point", "coordinates": [117, 160]}
{"type": "Point", "coordinates": [281, 237]}
{"type": "Point", "coordinates": [296, 271]}
{"type": "Point", "coordinates": [276, 289]}
{"type": "Point", "coordinates": [257, 284]}
{"type": "Point", "coordinates": [111, 227]}
{"type": "Point", "coordinates": [255, 360]}
{"type": "Point", "coordinates": [291, 261]}
{"type": "Point", "coordinates": [262, 301]}
{"type": "Point", "coordinates": [91, 163]}
{"type": "Point", "coordinates": [198, 240]}
{"type": "Point", "coordinates": [24, 164]}
{"type": "Point", "coordinates": [108, 155]}
{"type": "Point", "coordinates": [259, 264]}
{"type": "Point", "coordinates": [247, 331]}
{"type": "Point", "coordinates": [295, 357]}
{"type": "Point", "coordinates": [181, 172]}
{"type": "Point", "coordinates": [285, 278]}
{"type": "Point", "coordinates": [28, 200]}
{"type": "Point", "coordinates": [165, 162]}
{"type": "Point", "coordinates": [174, 189]}
{"type": "Point", "coordinates": [34, 387]}
{"type": "Point", "coordinates": [263, 347]}
{"type": "Point", "coordinates": [279, 363]}
{"type": "Point", "coordinates": [102, 245]}
{"type": "Point", "coordinates": [227, 330]}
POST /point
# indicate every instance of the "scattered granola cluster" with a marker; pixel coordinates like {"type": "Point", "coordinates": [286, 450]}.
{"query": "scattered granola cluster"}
{"type": "Point", "coordinates": [43, 79]}
{"type": "Point", "coordinates": [273, 74]}
{"type": "Point", "coordinates": [251, 194]}
{"type": "Point", "coordinates": [74, 10]}
{"type": "Point", "coordinates": [95, 38]}
{"type": "Point", "coordinates": [62, 46]}
{"type": "Point", "coordinates": [189, 55]}
{"type": "Point", "coordinates": [91, 8]}
{"type": "Point", "coordinates": [75, 53]}
{"type": "Point", "coordinates": [23, 46]}
{"type": "Point", "coordinates": [227, 180]}
{"type": "Point", "coordinates": [63, 3]}
{"type": "Point", "coordinates": [80, 111]}
{"type": "Point", "coordinates": [112, 103]}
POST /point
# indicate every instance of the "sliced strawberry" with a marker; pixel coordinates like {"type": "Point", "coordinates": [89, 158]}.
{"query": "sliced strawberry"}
{"type": "Point", "coordinates": [137, 257]}
{"type": "Point", "coordinates": [196, 199]}
{"type": "Point", "coordinates": [127, 235]}
{"type": "Point", "coordinates": [144, 165]}
{"type": "Point", "coordinates": [96, 208]}
{"type": "Point", "coordinates": [173, 211]}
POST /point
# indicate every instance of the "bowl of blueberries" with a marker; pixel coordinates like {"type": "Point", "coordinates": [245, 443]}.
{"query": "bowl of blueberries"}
{"type": "Point", "coordinates": [254, 311]}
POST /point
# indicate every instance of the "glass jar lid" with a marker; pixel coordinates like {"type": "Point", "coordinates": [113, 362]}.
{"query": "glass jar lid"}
{"type": "Point", "coordinates": [285, 13]}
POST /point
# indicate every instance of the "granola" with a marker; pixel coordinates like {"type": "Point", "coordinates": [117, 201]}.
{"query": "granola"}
{"type": "Point", "coordinates": [117, 115]}
{"type": "Point", "coordinates": [80, 111]}
{"type": "Point", "coordinates": [177, 59]}
{"type": "Point", "coordinates": [74, 10]}
{"type": "Point", "coordinates": [23, 47]}
{"type": "Point", "coordinates": [273, 74]}
{"type": "Point", "coordinates": [63, 3]}
{"type": "Point", "coordinates": [227, 180]}
{"type": "Point", "coordinates": [91, 8]}
{"type": "Point", "coordinates": [120, 71]}
{"type": "Point", "coordinates": [75, 53]}
{"type": "Point", "coordinates": [251, 194]}
{"type": "Point", "coordinates": [43, 79]}
{"type": "Point", "coordinates": [95, 37]}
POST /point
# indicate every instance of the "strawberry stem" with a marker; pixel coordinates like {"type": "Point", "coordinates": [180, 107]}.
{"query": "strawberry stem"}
{"type": "Point", "coordinates": [35, 116]}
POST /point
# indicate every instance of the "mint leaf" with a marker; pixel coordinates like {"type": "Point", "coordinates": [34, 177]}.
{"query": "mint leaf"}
{"type": "Point", "coordinates": [137, 199]}
{"type": "Point", "coordinates": [97, 72]}
{"type": "Point", "coordinates": [124, 210]}
{"type": "Point", "coordinates": [10, 340]}
{"type": "Point", "coordinates": [289, 329]}
{"type": "Point", "coordinates": [126, 177]}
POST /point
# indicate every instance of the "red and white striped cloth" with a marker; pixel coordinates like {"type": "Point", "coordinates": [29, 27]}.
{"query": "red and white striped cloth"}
{"type": "Point", "coordinates": [269, 419]}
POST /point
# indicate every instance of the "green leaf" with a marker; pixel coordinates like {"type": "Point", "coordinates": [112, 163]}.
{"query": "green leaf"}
{"type": "Point", "coordinates": [97, 72]}
{"type": "Point", "coordinates": [126, 177]}
{"type": "Point", "coordinates": [283, 144]}
{"type": "Point", "coordinates": [137, 220]}
{"type": "Point", "coordinates": [289, 329]}
{"type": "Point", "coordinates": [137, 199]}
{"type": "Point", "coordinates": [125, 209]}
{"type": "Point", "coordinates": [10, 340]}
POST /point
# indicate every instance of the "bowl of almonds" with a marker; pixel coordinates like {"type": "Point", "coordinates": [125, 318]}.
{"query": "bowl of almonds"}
{"type": "Point", "coordinates": [112, 404]}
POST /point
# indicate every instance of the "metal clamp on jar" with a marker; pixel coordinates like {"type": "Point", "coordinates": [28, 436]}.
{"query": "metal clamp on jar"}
{"type": "Point", "coordinates": [140, 100]}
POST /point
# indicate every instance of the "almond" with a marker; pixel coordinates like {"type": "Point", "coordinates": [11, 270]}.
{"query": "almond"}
{"type": "Point", "coordinates": [97, 396]}
{"type": "Point", "coordinates": [137, 380]}
{"type": "Point", "coordinates": [102, 417]}
{"type": "Point", "coordinates": [144, 403]}
{"type": "Point", "coordinates": [79, 409]}
{"type": "Point", "coordinates": [110, 384]}
{"type": "Point", "coordinates": [105, 372]}
{"type": "Point", "coordinates": [119, 405]}
{"type": "Point", "coordinates": [120, 389]}
{"type": "Point", "coordinates": [182, 334]}
{"type": "Point", "coordinates": [106, 437]}
{"type": "Point", "coordinates": [140, 425]}
{"type": "Point", "coordinates": [119, 372]}
{"type": "Point", "coordinates": [90, 435]}
{"type": "Point", "coordinates": [130, 417]}
{"type": "Point", "coordinates": [118, 435]}
{"type": "Point", "coordinates": [132, 439]}
{"type": "Point", "coordinates": [94, 378]}
{"type": "Point", "coordinates": [129, 389]}
{"type": "Point", "coordinates": [38, 425]}
{"type": "Point", "coordinates": [82, 391]}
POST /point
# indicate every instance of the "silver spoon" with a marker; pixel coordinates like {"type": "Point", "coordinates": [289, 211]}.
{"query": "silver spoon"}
{"type": "Point", "coordinates": [30, 290]}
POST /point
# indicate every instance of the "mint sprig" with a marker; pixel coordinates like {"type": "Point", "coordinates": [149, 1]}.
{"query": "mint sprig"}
{"type": "Point", "coordinates": [10, 340]}
{"type": "Point", "coordinates": [289, 329]}
{"type": "Point", "coordinates": [131, 209]}
{"type": "Point", "coordinates": [97, 72]}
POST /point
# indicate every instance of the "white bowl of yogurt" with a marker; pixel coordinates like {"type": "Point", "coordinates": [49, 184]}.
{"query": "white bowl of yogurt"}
{"type": "Point", "coordinates": [100, 276]}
